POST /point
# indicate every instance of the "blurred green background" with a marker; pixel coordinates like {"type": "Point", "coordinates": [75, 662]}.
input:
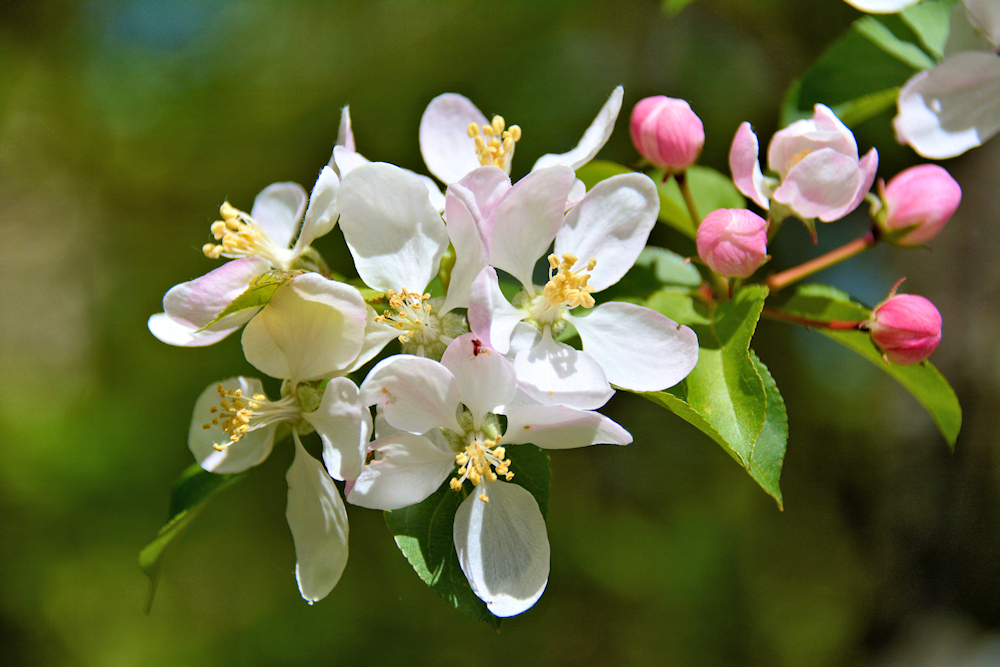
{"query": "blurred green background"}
{"type": "Point", "coordinates": [123, 127]}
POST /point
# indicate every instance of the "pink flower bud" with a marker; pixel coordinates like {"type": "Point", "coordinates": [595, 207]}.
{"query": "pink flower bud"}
{"type": "Point", "coordinates": [667, 133]}
{"type": "Point", "coordinates": [925, 195]}
{"type": "Point", "coordinates": [906, 327]}
{"type": "Point", "coordinates": [733, 242]}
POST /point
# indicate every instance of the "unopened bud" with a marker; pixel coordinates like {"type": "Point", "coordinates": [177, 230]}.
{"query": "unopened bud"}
{"type": "Point", "coordinates": [906, 327]}
{"type": "Point", "coordinates": [733, 242]}
{"type": "Point", "coordinates": [921, 199]}
{"type": "Point", "coordinates": [667, 133]}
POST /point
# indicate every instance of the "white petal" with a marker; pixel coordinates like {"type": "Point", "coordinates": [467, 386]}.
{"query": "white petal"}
{"type": "Point", "coordinates": [321, 216]}
{"type": "Point", "coordinates": [410, 469]}
{"type": "Point", "coordinates": [526, 220]}
{"type": "Point", "coordinates": [377, 336]}
{"type": "Point", "coordinates": [556, 374]}
{"type": "Point", "coordinates": [345, 135]}
{"type": "Point", "coordinates": [344, 425]}
{"type": "Point", "coordinates": [593, 139]}
{"type": "Point", "coordinates": [278, 210]}
{"type": "Point", "coordinates": [247, 452]}
{"type": "Point", "coordinates": [312, 328]}
{"type": "Point", "coordinates": [182, 335]}
{"type": "Point", "coordinates": [804, 137]}
{"type": "Point", "coordinates": [396, 236]}
{"type": "Point", "coordinates": [611, 224]}
{"type": "Point", "coordinates": [576, 193]}
{"type": "Point", "coordinates": [198, 302]}
{"type": "Point", "coordinates": [463, 215]}
{"type": "Point", "coordinates": [485, 378]}
{"type": "Point", "coordinates": [638, 348]}
{"type": "Point", "coordinates": [951, 108]}
{"type": "Point", "coordinates": [503, 548]}
{"type": "Point", "coordinates": [417, 394]}
{"type": "Point", "coordinates": [745, 166]}
{"type": "Point", "coordinates": [448, 151]}
{"type": "Point", "coordinates": [491, 316]}
{"type": "Point", "coordinates": [344, 161]}
{"type": "Point", "coordinates": [318, 520]}
{"type": "Point", "coordinates": [559, 427]}
{"type": "Point", "coordinates": [881, 6]}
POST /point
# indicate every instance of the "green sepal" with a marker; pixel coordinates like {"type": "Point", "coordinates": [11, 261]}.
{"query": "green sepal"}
{"type": "Point", "coordinates": [191, 492]}
{"type": "Point", "coordinates": [930, 388]}
{"type": "Point", "coordinates": [424, 532]}
{"type": "Point", "coordinates": [258, 294]}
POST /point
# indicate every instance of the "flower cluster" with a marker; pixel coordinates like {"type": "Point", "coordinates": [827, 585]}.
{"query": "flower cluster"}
{"type": "Point", "coordinates": [473, 374]}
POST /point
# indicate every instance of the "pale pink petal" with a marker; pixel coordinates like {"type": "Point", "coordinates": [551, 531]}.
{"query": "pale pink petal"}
{"type": "Point", "coordinates": [745, 167]}
{"type": "Point", "coordinates": [278, 210]}
{"type": "Point", "coordinates": [463, 214]}
{"type": "Point", "coordinates": [823, 130]}
{"type": "Point", "coordinates": [638, 348]}
{"type": "Point", "coordinates": [611, 223]}
{"type": "Point", "coordinates": [410, 469]}
{"type": "Point", "coordinates": [503, 547]}
{"type": "Point", "coordinates": [491, 316]}
{"type": "Point", "coordinates": [485, 378]}
{"type": "Point", "coordinates": [344, 425]}
{"type": "Point", "coordinates": [416, 394]}
{"type": "Point", "coordinates": [183, 335]}
{"type": "Point", "coordinates": [821, 184]}
{"type": "Point", "coordinates": [199, 301]}
{"type": "Point", "coordinates": [396, 236]}
{"type": "Point", "coordinates": [479, 193]}
{"type": "Point", "coordinates": [241, 455]}
{"type": "Point", "coordinates": [556, 374]}
{"type": "Point", "coordinates": [559, 427]}
{"type": "Point", "coordinates": [448, 151]}
{"type": "Point", "coordinates": [868, 167]}
{"type": "Point", "coordinates": [593, 139]}
{"type": "Point", "coordinates": [951, 108]}
{"type": "Point", "coordinates": [318, 521]}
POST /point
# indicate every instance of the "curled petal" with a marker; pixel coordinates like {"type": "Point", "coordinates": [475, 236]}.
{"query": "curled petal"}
{"type": "Point", "coordinates": [182, 335]}
{"type": "Point", "coordinates": [241, 455]}
{"type": "Point", "coordinates": [278, 210]}
{"type": "Point", "coordinates": [409, 469]}
{"type": "Point", "coordinates": [448, 151]}
{"type": "Point", "coordinates": [199, 301]}
{"type": "Point", "coordinates": [318, 521]}
{"type": "Point", "coordinates": [322, 214]}
{"type": "Point", "coordinates": [345, 135]}
{"type": "Point", "coordinates": [744, 164]}
{"type": "Point", "coordinates": [503, 547]}
{"type": "Point", "coordinates": [344, 425]}
{"type": "Point", "coordinates": [559, 427]}
{"type": "Point", "coordinates": [593, 139]}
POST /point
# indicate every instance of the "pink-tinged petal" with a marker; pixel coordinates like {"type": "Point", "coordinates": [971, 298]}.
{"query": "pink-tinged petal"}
{"type": "Point", "coordinates": [322, 214]}
{"type": "Point", "coordinates": [491, 317]}
{"type": "Point", "coordinates": [820, 185]}
{"type": "Point", "coordinates": [868, 167]}
{"type": "Point", "coordinates": [464, 216]}
{"type": "Point", "coordinates": [559, 427]}
{"type": "Point", "coordinates": [198, 302]}
{"type": "Point", "coordinates": [881, 6]}
{"type": "Point", "coordinates": [823, 130]}
{"type": "Point", "coordinates": [745, 167]}
{"type": "Point", "coordinates": [448, 151]}
{"type": "Point", "coordinates": [556, 374]}
{"type": "Point", "coordinates": [377, 336]}
{"type": "Point", "coordinates": [576, 193]}
{"type": "Point", "coordinates": [485, 378]}
{"type": "Point", "coordinates": [479, 193]}
{"type": "Point", "coordinates": [526, 220]}
{"type": "Point", "coordinates": [248, 451]}
{"type": "Point", "coordinates": [345, 161]}
{"type": "Point", "coordinates": [183, 335]}
{"type": "Point", "coordinates": [312, 328]}
{"type": "Point", "coordinates": [610, 224]}
{"type": "Point", "coordinates": [638, 348]}
{"type": "Point", "coordinates": [345, 135]}
{"type": "Point", "coordinates": [344, 425]}
{"type": "Point", "coordinates": [278, 210]}
{"type": "Point", "coordinates": [396, 236]}
{"type": "Point", "coordinates": [951, 108]}
{"type": "Point", "coordinates": [503, 547]}
{"type": "Point", "coordinates": [415, 393]}
{"type": "Point", "coordinates": [318, 521]}
{"type": "Point", "coordinates": [593, 139]}
{"type": "Point", "coordinates": [410, 469]}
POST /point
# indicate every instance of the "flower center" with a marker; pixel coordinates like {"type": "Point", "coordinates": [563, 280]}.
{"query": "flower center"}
{"type": "Point", "coordinates": [414, 318]}
{"type": "Point", "coordinates": [481, 460]}
{"type": "Point", "coordinates": [237, 414]}
{"type": "Point", "coordinates": [567, 288]}
{"type": "Point", "coordinates": [494, 144]}
{"type": "Point", "coordinates": [241, 236]}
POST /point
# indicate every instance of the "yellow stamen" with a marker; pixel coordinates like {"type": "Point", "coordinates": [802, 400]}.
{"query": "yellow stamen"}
{"type": "Point", "coordinates": [494, 143]}
{"type": "Point", "coordinates": [479, 461]}
{"type": "Point", "coordinates": [566, 287]}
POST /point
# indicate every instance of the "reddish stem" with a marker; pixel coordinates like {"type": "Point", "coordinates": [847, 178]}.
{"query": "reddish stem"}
{"type": "Point", "coordinates": [796, 273]}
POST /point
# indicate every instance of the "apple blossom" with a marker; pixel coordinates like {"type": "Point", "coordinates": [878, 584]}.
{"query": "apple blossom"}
{"type": "Point", "coordinates": [816, 160]}
{"type": "Point", "coordinates": [499, 532]}
{"type": "Point", "coordinates": [667, 133]}
{"type": "Point", "coordinates": [919, 201]}
{"type": "Point", "coordinates": [733, 242]}
{"type": "Point", "coordinates": [312, 329]}
{"type": "Point", "coordinates": [595, 245]}
{"type": "Point", "coordinates": [906, 328]}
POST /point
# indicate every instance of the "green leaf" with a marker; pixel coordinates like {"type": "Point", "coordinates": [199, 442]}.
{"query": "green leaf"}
{"type": "Point", "coordinates": [654, 269]}
{"type": "Point", "coordinates": [258, 294]}
{"type": "Point", "coordinates": [930, 20]}
{"type": "Point", "coordinates": [924, 381]}
{"type": "Point", "coordinates": [730, 396]}
{"type": "Point", "coordinates": [681, 306]}
{"type": "Point", "coordinates": [423, 532]}
{"type": "Point", "coordinates": [710, 189]}
{"type": "Point", "coordinates": [192, 491]}
{"type": "Point", "coordinates": [673, 7]}
{"type": "Point", "coordinates": [859, 74]}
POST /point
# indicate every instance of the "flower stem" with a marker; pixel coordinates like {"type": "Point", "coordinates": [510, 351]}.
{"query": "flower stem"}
{"type": "Point", "coordinates": [796, 273]}
{"type": "Point", "coordinates": [688, 199]}
{"type": "Point", "coordinates": [806, 322]}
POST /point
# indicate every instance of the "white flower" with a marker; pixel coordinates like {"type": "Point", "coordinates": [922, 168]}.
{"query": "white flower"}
{"type": "Point", "coordinates": [311, 330]}
{"type": "Point", "coordinates": [456, 138]}
{"type": "Point", "coordinates": [596, 243]}
{"type": "Point", "coordinates": [258, 241]}
{"type": "Point", "coordinates": [881, 6]}
{"type": "Point", "coordinates": [499, 531]}
{"type": "Point", "coordinates": [955, 106]}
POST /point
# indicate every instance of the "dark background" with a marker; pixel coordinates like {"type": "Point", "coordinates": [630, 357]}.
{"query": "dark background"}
{"type": "Point", "coordinates": [123, 127]}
